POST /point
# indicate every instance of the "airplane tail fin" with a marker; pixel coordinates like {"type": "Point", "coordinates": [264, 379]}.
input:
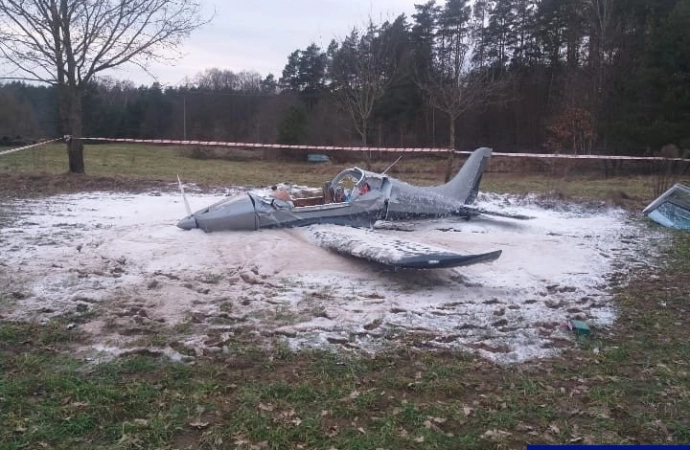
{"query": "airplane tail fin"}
{"type": "Point", "coordinates": [465, 185]}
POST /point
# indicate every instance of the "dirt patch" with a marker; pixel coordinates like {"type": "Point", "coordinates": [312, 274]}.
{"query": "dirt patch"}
{"type": "Point", "coordinates": [22, 186]}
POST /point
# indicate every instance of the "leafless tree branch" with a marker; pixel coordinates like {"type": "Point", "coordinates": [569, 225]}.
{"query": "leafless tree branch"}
{"type": "Point", "coordinates": [361, 75]}
{"type": "Point", "coordinates": [67, 43]}
{"type": "Point", "coordinates": [86, 37]}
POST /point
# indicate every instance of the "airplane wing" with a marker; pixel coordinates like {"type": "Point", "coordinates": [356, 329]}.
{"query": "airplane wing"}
{"type": "Point", "coordinates": [389, 251]}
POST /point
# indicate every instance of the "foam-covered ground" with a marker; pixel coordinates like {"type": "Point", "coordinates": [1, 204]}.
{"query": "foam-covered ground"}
{"type": "Point", "coordinates": [118, 266]}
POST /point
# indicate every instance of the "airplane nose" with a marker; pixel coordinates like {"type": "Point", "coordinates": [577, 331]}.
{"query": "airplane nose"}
{"type": "Point", "coordinates": [188, 223]}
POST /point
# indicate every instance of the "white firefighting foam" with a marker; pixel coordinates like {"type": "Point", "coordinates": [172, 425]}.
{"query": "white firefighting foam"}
{"type": "Point", "coordinates": [120, 258]}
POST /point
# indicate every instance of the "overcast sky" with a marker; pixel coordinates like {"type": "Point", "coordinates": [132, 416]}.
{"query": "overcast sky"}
{"type": "Point", "coordinates": [260, 34]}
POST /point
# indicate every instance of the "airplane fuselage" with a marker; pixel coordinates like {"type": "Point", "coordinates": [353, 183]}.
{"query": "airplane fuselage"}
{"type": "Point", "coordinates": [372, 197]}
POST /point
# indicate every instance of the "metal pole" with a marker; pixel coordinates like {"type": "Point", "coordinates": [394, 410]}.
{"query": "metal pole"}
{"type": "Point", "coordinates": [184, 117]}
{"type": "Point", "coordinates": [433, 127]}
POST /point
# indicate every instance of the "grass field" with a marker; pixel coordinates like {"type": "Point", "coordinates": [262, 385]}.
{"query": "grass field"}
{"type": "Point", "coordinates": [126, 162]}
{"type": "Point", "coordinates": [629, 385]}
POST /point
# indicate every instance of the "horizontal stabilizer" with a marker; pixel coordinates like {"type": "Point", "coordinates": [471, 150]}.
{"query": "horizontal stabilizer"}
{"type": "Point", "coordinates": [389, 251]}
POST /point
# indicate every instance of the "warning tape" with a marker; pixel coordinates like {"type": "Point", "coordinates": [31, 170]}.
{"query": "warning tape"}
{"type": "Point", "coordinates": [600, 157]}
{"type": "Point", "coordinates": [272, 146]}
{"type": "Point", "coordinates": [375, 149]}
{"type": "Point", "coordinates": [38, 144]}
{"type": "Point", "coordinates": [327, 148]}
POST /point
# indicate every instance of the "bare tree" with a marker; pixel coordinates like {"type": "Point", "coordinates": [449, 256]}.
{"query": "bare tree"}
{"type": "Point", "coordinates": [66, 43]}
{"type": "Point", "coordinates": [214, 79]}
{"type": "Point", "coordinates": [467, 92]}
{"type": "Point", "coordinates": [448, 84]}
{"type": "Point", "coordinates": [600, 12]}
{"type": "Point", "coordinates": [361, 71]}
{"type": "Point", "coordinates": [454, 98]}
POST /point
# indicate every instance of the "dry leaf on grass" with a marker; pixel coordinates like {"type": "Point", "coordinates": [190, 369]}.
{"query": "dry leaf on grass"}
{"type": "Point", "coordinates": [524, 427]}
{"type": "Point", "coordinates": [141, 422]}
{"type": "Point", "coordinates": [430, 426]}
{"type": "Point", "coordinates": [495, 435]}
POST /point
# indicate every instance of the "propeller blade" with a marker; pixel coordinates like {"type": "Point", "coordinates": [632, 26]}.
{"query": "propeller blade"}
{"type": "Point", "coordinates": [186, 203]}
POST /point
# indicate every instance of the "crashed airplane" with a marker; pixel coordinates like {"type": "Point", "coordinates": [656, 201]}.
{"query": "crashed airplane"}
{"type": "Point", "coordinates": [360, 198]}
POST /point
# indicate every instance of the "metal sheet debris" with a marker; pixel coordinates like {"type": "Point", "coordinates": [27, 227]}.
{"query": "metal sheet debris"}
{"type": "Point", "coordinates": [672, 208]}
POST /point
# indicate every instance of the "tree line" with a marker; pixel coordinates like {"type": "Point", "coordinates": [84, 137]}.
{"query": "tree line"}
{"type": "Point", "coordinates": [570, 76]}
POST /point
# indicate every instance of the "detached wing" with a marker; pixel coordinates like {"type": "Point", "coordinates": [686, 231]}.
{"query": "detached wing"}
{"type": "Point", "coordinates": [390, 251]}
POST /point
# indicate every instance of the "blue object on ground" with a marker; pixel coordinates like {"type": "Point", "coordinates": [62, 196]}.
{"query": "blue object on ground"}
{"type": "Point", "coordinates": [315, 157]}
{"type": "Point", "coordinates": [672, 208]}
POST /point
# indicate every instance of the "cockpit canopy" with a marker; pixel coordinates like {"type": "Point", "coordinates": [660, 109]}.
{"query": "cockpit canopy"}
{"type": "Point", "coordinates": [349, 182]}
{"type": "Point", "coordinates": [672, 208]}
{"type": "Point", "coordinates": [352, 177]}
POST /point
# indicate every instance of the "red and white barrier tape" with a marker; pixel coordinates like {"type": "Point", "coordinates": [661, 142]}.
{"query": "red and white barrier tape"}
{"type": "Point", "coordinates": [38, 144]}
{"type": "Point", "coordinates": [272, 146]}
{"type": "Point", "coordinates": [600, 157]}
{"type": "Point", "coordinates": [344, 148]}
{"type": "Point", "coordinates": [375, 149]}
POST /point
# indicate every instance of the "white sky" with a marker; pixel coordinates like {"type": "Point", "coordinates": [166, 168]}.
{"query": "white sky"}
{"type": "Point", "coordinates": [260, 34]}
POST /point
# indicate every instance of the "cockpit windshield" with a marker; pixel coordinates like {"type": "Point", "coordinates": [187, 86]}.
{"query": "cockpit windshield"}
{"type": "Point", "coordinates": [348, 178]}
{"type": "Point", "coordinates": [343, 185]}
{"type": "Point", "coordinates": [228, 200]}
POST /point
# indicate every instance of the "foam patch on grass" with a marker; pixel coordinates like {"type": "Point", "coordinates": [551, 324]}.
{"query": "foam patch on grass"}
{"type": "Point", "coordinates": [117, 266]}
